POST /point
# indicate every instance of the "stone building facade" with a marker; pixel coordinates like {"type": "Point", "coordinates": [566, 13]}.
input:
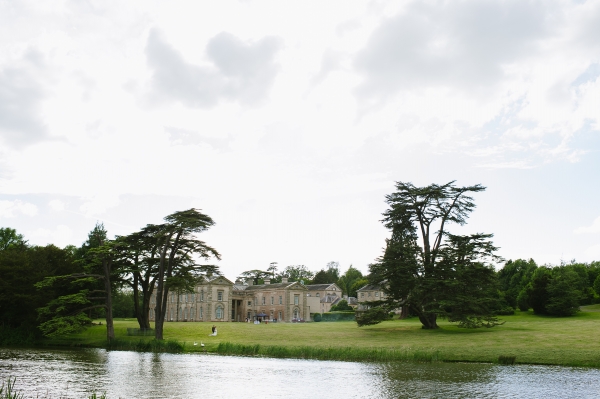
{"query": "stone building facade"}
{"type": "Point", "coordinates": [219, 299]}
{"type": "Point", "coordinates": [321, 297]}
{"type": "Point", "coordinates": [369, 293]}
{"type": "Point", "coordinates": [373, 293]}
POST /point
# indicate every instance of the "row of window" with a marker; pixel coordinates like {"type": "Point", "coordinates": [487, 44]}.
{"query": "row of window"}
{"type": "Point", "coordinates": [193, 297]}
{"type": "Point", "coordinates": [362, 294]}
{"type": "Point", "coordinates": [191, 313]}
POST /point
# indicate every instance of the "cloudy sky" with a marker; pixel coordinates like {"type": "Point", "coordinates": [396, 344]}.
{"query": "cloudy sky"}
{"type": "Point", "coordinates": [289, 121]}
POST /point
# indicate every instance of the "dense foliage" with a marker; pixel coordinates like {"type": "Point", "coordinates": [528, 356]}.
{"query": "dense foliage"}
{"type": "Point", "coordinates": [556, 291]}
{"type": "Point", "coordinates": [428, 270]}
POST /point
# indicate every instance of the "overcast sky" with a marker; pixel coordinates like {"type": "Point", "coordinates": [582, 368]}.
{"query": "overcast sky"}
{"type": "Point", "coordinates": [288, 122]}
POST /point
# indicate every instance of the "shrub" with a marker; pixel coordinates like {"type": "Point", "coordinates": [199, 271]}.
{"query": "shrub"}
{"type": "Point", "coordinates": [341, 306]}
{"type": "Point", "coordinates": [338, 316]}
{"type": "Point", "coordinates": [317, 317]}
{"type": "Point", "coordinates": [523, 300]}
{"type": "Point", "coordinates": [371, 316]}
{"type": "Point", "coordinates": [16, 336]}
{"type": "Point", "coordinates": [506, 311]}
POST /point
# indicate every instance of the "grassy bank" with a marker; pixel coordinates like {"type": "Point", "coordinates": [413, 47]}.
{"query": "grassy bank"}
{"type": "Point", "coordinates": [524, 338]}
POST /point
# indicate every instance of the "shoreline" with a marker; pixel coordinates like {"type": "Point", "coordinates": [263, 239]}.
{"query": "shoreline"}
{"type": "Point", "coordinates": [525, 339]}
{"type": "Point", "coordinates": [343, 354]}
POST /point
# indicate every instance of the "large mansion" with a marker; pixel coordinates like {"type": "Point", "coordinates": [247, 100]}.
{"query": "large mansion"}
{"type": "Point", "coordinates": [217, 298]}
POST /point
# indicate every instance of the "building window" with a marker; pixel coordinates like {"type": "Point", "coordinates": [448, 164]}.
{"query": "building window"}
{"type": "Point", "coordinates": [192, 313]}
{"type": "Point", "coordinates": [377, 294]}
{"type": "Point", "coordinates": [318, 295]}
{"type": "Point", "coordinates": [249, 303]}
{"type": "Point", "coordinates": [202, 296]}
{"type": "Point", "coordinates": [369, 294]}
{"type": "Point", "coordinates": [219, 295]}
{"type": "Point", "coordinates": [264, 300]}
{"type": "Point", "coordinates": [200, 312]}
{"type": "Point", "coordinates": [272, 300]}
{"type": "Point", "coordinates": [280, 300]}
{"type": "Point", "coordinates": [193, 297]}
{"type": "Point", "coordinates": [219, 312]}
{"type": "Point", "coordinates": [279, 316]}
{"type": "Point", "coordinates": [185, 314]}
{"type": "Point", "coordinates": [296, 299]}
{"type": "Point", "coordinates": [362, 294]}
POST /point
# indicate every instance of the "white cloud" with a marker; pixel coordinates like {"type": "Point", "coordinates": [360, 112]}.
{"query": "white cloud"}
{"type": "Point", "coordinates": [21, 95]}
{"type": "Point", "coordinates": [237, 71]}
{"type": "Point", "coordinates": [60, 236]}
{"type": "Point", "coordinates": [99, 204]}
{"type": "Point", "coordinates": [57, 205]}
{"type": "Point", "coordinates": [464, 45]}
{"type": "Point", "coordinates": [10, 209]}
{"type": "Point", "coordinates": [594, 228]}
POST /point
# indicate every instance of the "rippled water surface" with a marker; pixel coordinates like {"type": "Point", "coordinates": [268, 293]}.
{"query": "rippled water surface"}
{"type": "Point", "coordinates": [77, 374]}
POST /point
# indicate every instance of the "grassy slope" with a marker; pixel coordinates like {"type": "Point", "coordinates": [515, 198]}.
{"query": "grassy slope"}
{"type": "Point", "coordinates": [532, 339]}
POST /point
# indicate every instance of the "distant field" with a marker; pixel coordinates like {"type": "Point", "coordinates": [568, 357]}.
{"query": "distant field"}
{"type": "Point", "coordinates": [532, 339]}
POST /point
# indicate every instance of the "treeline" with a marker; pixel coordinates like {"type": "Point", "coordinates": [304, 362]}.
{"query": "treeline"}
{"type": "Point", "coordinates": [24, 266]}
{"type": "Point", "coordinates": [46, 290]}
{"type": "Point", "coordinates": [556, 291]}
{"type": "Point", "coordinates": [350, 281]}
{"type": "Point", "coordinates": [21, 267]}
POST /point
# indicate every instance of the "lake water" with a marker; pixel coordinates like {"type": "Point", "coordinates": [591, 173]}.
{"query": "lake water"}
{"type": "Point", "coordinates": [78, 373]}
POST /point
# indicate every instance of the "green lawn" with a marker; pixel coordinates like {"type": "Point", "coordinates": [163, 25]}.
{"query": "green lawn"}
{"type": "Point", "coordinates": [532, 339]}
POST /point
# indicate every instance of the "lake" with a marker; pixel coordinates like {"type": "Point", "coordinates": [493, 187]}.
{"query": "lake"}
{"type": "Point", "coordinates": [78, 373]}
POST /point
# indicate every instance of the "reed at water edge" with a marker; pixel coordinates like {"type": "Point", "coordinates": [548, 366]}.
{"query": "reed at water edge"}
{"type": "Point", "coordinates": [7, 391]}
{"type": "Point", "coordinates": [343, 353]}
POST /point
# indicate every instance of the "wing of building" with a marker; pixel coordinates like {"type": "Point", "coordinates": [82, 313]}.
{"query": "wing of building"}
{"type": "Point", "coordinates": [219, 299]}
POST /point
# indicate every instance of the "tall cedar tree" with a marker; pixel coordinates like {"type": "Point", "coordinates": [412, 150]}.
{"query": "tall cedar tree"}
{"type": "Point", "coordinates": [91, 289]}
{"type": "Point", "coordinates": [430, 271]}
{"type": "Point", "coordinates": [177, 246]}
{"type": "Point", "coordinates": [140, 252]}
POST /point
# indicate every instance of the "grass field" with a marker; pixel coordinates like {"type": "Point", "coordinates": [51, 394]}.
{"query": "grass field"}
{"type": "Point", "coordinates": [572, 341]}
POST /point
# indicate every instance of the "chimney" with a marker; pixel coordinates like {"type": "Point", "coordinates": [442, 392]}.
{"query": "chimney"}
{"type": "Point", "coordinates": [284, 279]}
{"type": "Point", "coordinates": [250, 281]}
{"type": "Point", "coordinates": [267, 281]}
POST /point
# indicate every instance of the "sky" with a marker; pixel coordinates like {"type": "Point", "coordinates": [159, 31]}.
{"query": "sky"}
{"type": "Point", "coordinates": [288, 122]}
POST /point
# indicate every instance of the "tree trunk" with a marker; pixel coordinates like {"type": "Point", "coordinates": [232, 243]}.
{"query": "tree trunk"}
{"type": "Point", "coordinates": [429, 321]}
{"type": "Point", "coordinates": [110, 329]}
{"type": "Point", "coordinates": [161, 294]}
{"type": "Point", "coordinates": [404, 312]}
{"type": "Point", "coordinates": [178, 295]}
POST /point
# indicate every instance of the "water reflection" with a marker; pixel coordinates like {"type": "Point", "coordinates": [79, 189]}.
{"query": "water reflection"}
{"type": "Point", "coordinates": [76, 374]}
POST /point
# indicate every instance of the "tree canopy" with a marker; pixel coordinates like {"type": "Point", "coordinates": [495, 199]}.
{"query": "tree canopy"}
{"type": "Point", "coordinates": [429, 270]}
